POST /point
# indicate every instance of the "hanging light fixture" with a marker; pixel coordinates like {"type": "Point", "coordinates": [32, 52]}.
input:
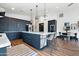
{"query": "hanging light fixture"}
{"type": "Point", "coordinates": [31, 15]}
{"type": "Point", "coordinates": [36, 17]}
{"type": "Point", "coordinates": [45, 11]}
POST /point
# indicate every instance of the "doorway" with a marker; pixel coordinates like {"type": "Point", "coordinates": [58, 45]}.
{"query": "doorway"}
{"type": "Point", "coordinates": [41, 27]}
{"type": "Point", "coordinates": [52, 28]}
{"type": "Point", "coordinates": [27, 27]}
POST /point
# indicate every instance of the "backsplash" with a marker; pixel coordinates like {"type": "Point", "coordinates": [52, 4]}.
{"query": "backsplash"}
{"type": "Point", "coordinates": [12, 24]}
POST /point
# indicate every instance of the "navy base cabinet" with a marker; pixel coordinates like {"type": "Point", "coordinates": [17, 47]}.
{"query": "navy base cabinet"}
{"type": "Point", "coordinates": [32, 39]}
{"type": "Point", "coordinates": [27, 38]}
{"type": "Point", "coordinates": [3, 51]}
{"type": "Point", "coordinates": [13, 35]}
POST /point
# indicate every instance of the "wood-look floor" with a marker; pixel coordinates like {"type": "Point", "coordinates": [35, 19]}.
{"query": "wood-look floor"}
{"type": "Point", "coordinates": [62, 48]}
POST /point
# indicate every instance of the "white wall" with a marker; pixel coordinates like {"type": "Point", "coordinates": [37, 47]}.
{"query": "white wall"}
{"type": "Point", "coordinates": [41, 20]}
{"type": "Point", "coordinates": [19, 16]}
{"type": "Point", "coordinates": [2, 9]}
{"type": "Point", "coordinates": [71, 15]}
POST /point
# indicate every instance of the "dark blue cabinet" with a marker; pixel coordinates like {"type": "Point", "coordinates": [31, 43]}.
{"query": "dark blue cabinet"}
{"type": "Point", "coordinates": [13, 35]}
{"type": "Point", "coordinates": [24, 37]}
{"type": "Point", "coordinates": [32, 39]}
{"type": "Point", "coordinates": [36, 41]}
{"type": "Point", "coordinates": [3, 51]}
{"type": "Point", "coordinates": [27, 38]}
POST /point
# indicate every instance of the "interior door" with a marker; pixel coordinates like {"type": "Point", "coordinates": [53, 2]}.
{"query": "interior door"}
{"type": "Point", "coordinates": [27, 27]}
{"type": "Point", "coordinates": [52, 28]}
{"type": "Point", "coordinates": [41, 27]}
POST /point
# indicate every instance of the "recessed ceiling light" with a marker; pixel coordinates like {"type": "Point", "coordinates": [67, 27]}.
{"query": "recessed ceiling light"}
{"type": "Point", "coordinates": [1, 9]}
{"type": "Point", "coordinates": [13, 8]}
{"type": "Point", "coordinates": [57, 7]}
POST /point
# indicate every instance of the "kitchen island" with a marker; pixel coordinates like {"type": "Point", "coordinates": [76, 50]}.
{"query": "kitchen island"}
{"type": "Point", "coordinates": [38, 40]}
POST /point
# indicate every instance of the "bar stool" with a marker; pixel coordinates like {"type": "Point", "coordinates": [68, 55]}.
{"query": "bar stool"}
{"type": "Point", "coordinates": [60, 34]}
{"type": "Point", "coordinates": [76, 37]}
{"type": "Point", "coordinates": [65, 36]}
{"type": "Point", "coordinates": [52, 43]}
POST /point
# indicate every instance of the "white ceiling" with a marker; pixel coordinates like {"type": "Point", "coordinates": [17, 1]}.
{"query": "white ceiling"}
{"type": "Point", "coordinates": [24, 8]}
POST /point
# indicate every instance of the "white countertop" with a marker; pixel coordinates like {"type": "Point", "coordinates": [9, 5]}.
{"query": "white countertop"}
{"type": "Point", "coordinates": [42, 33]}
{"type": "Point", "coordinates": [4, 41]}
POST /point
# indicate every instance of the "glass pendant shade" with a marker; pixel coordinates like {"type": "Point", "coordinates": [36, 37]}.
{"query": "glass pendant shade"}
{"type": "Point", "coordinates": [31, 15]}
{"type": "Point", "coordinates": [45, 11]}
{"type": "Point", "coordinates": [36, 17]}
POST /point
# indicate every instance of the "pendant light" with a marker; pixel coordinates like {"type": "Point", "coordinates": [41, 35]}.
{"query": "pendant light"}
{"type": "Point", "coordinates": [31, 15]}
{"type": "Point", "coordinates": [45, 11]}
{"type": "Point", "coordinates": [36, 17]}
{"type": "Point", "coordinates": [31, 20]}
